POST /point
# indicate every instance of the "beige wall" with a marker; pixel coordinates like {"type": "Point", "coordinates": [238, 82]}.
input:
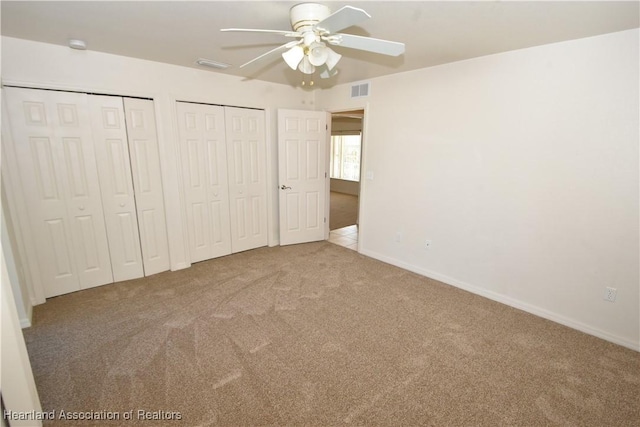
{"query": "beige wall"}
{"type": "Point", "coordinates": [522, 168]}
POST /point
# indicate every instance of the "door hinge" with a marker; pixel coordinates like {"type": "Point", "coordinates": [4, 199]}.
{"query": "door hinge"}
{"type": "Point", "coordinates": [325, 220]}
{"type": "Point", "coordinates": [325, 174]}
{"type": "Point", "coordinates": [326, 127]}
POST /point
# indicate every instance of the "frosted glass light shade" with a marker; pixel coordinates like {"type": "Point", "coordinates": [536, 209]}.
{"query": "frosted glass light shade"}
{"type": "Point", "coordinates": [332, 58]}
{"type": "Point", "coordinates": [318, 54]}
{"type": "Point", "coordinates": [293, 56]}
{"type": "Point", "coordinates": [306, 67]}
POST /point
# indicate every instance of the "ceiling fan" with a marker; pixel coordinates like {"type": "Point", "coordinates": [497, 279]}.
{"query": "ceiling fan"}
{"type": "Point", "coordinates": [315, 27]}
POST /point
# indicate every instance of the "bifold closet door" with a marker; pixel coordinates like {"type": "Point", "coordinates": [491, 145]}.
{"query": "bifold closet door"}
{"type": "Point", "coordinates": [203, 154]}
{"type": "Point", "coordinates": [147, 183]}
{"type": "Point", "coordinates": [246, 153]}
{"type": "Point", "coordinates": [128, 161]}
{"type": "Point", "coordinates": [118, 200]}
{"type": "Point", "coordinates": [53, 145]}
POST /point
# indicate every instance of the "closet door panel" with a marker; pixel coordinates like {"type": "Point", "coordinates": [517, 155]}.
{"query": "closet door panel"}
{"type": "Point", "coordinates": [56, 162]}
{"type": "Point", "coordinates": [147, 182]}
{"type": "Point", "coordinates": [193, 156]}
{"type": "Point", "coordinates": [47, 207]}
{"type": "Point", "coordinates": [247, 177]}
{"type": "Point", "coordinates": [204, 170]}
{"type": "Point", "coordinates": [217, 183]}
{"type": "Point", "coordinates": [72, 130]}
{"type": "Point", "coordinates": [112, 156]}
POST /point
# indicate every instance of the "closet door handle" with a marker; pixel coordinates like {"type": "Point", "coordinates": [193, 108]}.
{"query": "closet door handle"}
{"type": "Point", "coordinates": [81, 207]}
{"type": "Point", "coordinates": [284, 187]}
{"type": "Point", "coordinates": [122, 205]}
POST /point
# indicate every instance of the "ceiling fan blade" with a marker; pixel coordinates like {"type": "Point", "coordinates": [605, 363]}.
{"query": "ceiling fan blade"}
{"type": "Point", "coordinates": [343, 18]}
{"type": "Point", "coordinates": [252, 30]}
{"type": "Point", "coordinates": [279, 48]}
{"type": "Point", "coordinates": [384, 47]}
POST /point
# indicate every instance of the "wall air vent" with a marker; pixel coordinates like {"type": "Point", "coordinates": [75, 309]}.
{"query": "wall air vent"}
{"type": "Point", "coordinates": [360, 90]}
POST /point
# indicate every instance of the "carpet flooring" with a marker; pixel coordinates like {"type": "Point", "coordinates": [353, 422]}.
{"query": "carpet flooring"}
{"type": "Point", "coordinates": [319, 335]}
{"type": "Point", "coordinates": [343, 210]}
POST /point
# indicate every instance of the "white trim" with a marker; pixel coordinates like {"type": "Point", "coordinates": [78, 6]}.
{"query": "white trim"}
{"type": "Point", "coordinates": [363, 165]}
{"type": "Point", "coordinates": [273, 238]}
{"type": "Point", "coordinates": [512, 302]}
{"type": "Point", "coordinates": [82, 89]}
{"type": "Point", "coordinates": [327, 176]}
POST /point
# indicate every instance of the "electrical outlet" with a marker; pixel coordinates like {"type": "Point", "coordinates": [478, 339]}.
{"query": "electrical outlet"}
{"type": "Point", "coordinates": [610, 294]}
{"type": "Point", "coordinates": [427, 244]}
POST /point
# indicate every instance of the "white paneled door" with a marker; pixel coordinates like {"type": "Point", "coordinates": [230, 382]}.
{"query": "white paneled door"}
{"type": "Point", "coordinates": [56, 162]}
{"type": "Point", "coordinates": [246, 154]}
{"type": "Point", "coordinates": [147, 183]}
{"type": "Point", "coordinates": [223, 157]}
{"type": "Point", "coordinates": [302, 170]}
{"type": "Point", "coordinates": [203, 151]}
{"type": "Point", "coordinates": [118, 200]}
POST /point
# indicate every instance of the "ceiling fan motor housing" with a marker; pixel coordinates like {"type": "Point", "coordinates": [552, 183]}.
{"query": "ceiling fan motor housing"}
{"type": "Point", "coordinates": [305, 15]}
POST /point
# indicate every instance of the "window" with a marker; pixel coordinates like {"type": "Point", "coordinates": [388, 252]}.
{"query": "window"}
{"type": "Point", "coordinates": [345, 157]}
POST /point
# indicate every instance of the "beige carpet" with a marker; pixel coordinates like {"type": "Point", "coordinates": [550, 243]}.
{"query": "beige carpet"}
{"type": "Point", "coordinates": [317, 334]}
{"type": "Point", "coordinates": [343, 211]}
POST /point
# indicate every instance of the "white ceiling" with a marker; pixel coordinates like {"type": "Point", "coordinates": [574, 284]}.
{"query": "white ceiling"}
{"type": "Point", "coordinates": [435, 32]}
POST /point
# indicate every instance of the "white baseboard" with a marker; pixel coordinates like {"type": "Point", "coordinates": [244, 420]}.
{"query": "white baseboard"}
{"type": "Point", "coordinates": [25, 323]}
{"type": "Point", "coordinates": [512, 302]}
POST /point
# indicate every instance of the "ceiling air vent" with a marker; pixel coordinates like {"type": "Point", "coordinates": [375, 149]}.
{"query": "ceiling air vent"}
{"type": "Point", "coordinates": [360, 90]}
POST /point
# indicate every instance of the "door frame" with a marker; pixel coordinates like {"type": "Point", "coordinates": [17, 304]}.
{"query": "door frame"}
{"type": "Point", "coordinates": [363, 163]}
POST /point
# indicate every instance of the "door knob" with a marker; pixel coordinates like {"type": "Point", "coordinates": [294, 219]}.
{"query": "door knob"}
{"type": "Point", "coordinates": [122, 205]}
{"type": "Point", "coordinates": [284, 187]}
{"type": "Point", "coordinates": [81, 207]}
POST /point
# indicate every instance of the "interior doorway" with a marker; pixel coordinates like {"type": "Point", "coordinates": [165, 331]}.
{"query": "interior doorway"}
{"type": "Point", "coordinates": [347, 138]}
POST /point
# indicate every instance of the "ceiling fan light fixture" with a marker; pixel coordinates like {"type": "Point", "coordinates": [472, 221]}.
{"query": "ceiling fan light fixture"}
{"type": "Point", "coordinates": [306, 67]}
{"type": "Point", "coordinates": [293, 56]}
{"type": "Point", "coordinates": [332, 58]}
{"type": "Point", "coordinates": [318, 54]}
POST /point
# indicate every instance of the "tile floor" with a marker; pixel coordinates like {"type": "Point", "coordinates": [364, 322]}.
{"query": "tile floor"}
{"type": "Point", "coordinates": [346, 236]}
